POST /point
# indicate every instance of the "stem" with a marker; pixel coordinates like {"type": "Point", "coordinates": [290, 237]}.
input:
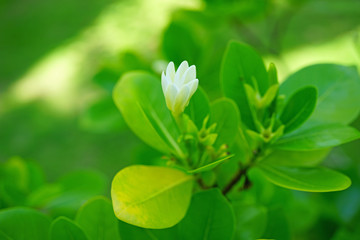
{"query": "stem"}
{"type": "Point", "coordinates": [242, 172]}
{"type": "Point", "coordinates": [235, 180]}
{"type": "Point", "coordinates": [180, 122]}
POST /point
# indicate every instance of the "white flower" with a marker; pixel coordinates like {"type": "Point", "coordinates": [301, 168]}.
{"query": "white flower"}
{"type": "Point", "coordinates": [179, 86]}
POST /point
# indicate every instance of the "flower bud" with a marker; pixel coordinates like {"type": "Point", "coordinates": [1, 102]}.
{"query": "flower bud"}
{"type": "Point", "coordinates": [179, 86]}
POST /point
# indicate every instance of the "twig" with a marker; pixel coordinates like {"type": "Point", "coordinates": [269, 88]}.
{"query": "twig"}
{"type": "Point", "coordinates": [242, 172]}
{"type": "Point", "coordinates": [235, 180]}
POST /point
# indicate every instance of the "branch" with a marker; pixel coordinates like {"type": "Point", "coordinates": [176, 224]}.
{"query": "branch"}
{"type": "Point", "coordinates": [235, 180]}
{"type": "Point", "coordinates": [242, 172]}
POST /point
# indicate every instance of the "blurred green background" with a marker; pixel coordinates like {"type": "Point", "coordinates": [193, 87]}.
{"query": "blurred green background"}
{"type": "Point", "coordinates": [60, 59]}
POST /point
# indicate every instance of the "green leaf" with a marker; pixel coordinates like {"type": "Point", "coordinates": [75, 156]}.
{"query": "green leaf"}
{"type": "Point", "coordinates": [338, 91]}
{"type": "Point", "coordinates": [272, 73]}
{"type": "Point", "coordinates": [346, 233]}
{"type": "Point", "coordinates": [179, 43]}
{"type": "Point", "coordinates": [106, 77]}
{"type": "Point", "coordinates": [302, 211]}
{"type": "Point", "coordinates": [141, 101]}
{"type": "Point", "coordinates": [128, 231]}
{"type": "Point", "coordinates": [66, 196]}
{"type": "Point", "coordinates": [102, 116]}
{"type": "Point", "coordinates": [241, 64]}
{"type": "Point", "coordinates": [3, 236]}
{"type": "Point", "coordinates": [278, 227]}
{"type": "Point", "coordinates": [24, 223]}
{"type": "Point", "coordinates": [316, 179]}
{"type": "Point", "coordinates": [97, 219]}
{"type": "Point", "coordinates": [296, 158]}
{"type": "Point", "coordinates": [250, 220]}
{"type": "Point", "coordinates": [18, 178]}
{"type": "Point", "coordinates": [63, 228]}
{"type": "Point", "coordinates": [210, 166]}
{"type": "Point", "coordinates": [318, 137]}
{"type": "Point", "coordinates": [151, 196]}
{"type": "Point", "coordinates": [269, 96]}
{"type": "Point", "coordinates": [198, 108]}
{"type": "Point", "coordinates": [298, 108]}
{"type": "Point", "coordinates": [227, 118]}
{"type": "Point", "coordinates": [210, 217]}
{"type": "Point", "coordinates": [112, 69]}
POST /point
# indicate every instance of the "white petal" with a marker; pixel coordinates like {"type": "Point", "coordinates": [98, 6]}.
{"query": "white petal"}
{"type": "Point", "coordinates": [181, 70]}
{"type": "Point", "coordinates": [182, 100]}
{"type": "Point", "coordinates": [189, 75]}
{"type": "Point", "coordinates": [170, 96]}
{"type": "Point", "coordinates": [193, 85]}
{"type": "Point", "coordinates": [164, 82]}
{"type": "Point", "coordinates": [170, 71]}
